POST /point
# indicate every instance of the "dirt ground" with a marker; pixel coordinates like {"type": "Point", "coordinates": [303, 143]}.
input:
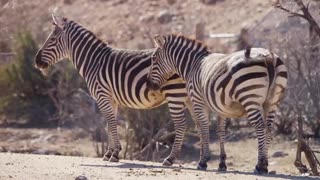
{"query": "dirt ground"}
{"type": "Point", "coordinates": [114, 22]}
{"type": "Point", "coordinates": [73, 143]}
{"type": "Point", "coordinates": [26, 166]}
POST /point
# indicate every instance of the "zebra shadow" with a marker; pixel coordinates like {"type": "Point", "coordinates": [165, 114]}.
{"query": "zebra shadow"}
{"type": "Point", "coordinates": [127, 165]}
{"type": "Point", "coordinates": [138, 165]}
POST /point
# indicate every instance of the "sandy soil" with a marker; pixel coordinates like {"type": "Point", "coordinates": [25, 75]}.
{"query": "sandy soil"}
{"type": "Point", "coordinates": [25, 166]}
{"type": "Point", "coordinates": [113, 21]}
{"type": "Point", "coordinates": [241, 157]}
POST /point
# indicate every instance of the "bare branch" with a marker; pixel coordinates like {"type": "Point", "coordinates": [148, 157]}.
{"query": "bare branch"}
{"type": "Point", "coordinates": [279, 6]}
{"type": "Point", "coordinates": [306, 14]}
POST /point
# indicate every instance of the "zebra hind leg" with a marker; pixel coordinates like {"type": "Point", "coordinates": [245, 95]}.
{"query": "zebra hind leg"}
{"type": "Point", "coordinates": [269, 133]}
{"type": "Point", "coordinates": [269, 121]}
{"type": "Point", "coordinates": [255, 117]}
{"type": "Point", "coordinates": [222, 135]}
{"type": "Point", "coordinates": [178, 118]}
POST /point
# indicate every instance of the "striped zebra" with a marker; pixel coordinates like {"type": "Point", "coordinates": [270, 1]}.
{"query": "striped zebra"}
{"type": "Point", "coordinates": [114, 78]}
{"type": "Point", "coordinates": [248, 83]}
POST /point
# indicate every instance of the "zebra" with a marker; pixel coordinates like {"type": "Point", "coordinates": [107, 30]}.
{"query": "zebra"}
{"type": "Point", "coordinates": [114, 77]}
{"type": "Point", "coordinates": [248, 83]}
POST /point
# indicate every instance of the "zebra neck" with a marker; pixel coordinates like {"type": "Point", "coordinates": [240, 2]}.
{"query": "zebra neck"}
{"type": "Point", "coordinates": [86, 51]}
{"type": "Point", "coordinates": [188, 63]}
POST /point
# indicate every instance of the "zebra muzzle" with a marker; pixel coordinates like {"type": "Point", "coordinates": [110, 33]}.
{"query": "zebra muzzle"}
{"type": "Point", "coordinates": [39, 63]}
{"type": "Point", "coordinates": [152, 85]}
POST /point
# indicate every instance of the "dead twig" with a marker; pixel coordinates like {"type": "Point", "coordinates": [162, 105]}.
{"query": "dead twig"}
{"type": "Point", "coordinates": [306, 14]}
{"type": "Point", "coordinates": [304, 147]}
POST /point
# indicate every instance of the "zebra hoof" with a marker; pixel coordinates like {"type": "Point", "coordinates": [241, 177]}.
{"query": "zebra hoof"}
{"type": "Point", "coordinates": [167, 162]}
{"type": "Point", "coordinates": [202, 166]}
{"type": "Point", "coordinates": [113, 159]}
{"type": "Point", "coordinates": [261, 170]}
{"type": "Point", "coordinates": [107, 155]}
{"type": "Point", "coordinates": [105, 158]}
{"type": "Point", "coordinates": [222, 167]}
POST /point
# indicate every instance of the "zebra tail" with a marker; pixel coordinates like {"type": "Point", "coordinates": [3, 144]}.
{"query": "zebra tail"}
{"type": "Point", "coordinates": [247, 52]}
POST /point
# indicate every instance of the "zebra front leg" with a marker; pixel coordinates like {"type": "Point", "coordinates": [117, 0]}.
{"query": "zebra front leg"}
{"type": "Point", "coordinates": [255, 117]}
{"type": "Point", "coordinates": [222, 135]}
{"type": "Point", "coordinates": [109, 110]}
{"type": "Point", "coordinates": [109, 149]}
{"type": "Point", "coordinates": [199, 132]}
{"type": "Point", "coordinates": [202, 117]}
{"type": "Point", "coordinates": [178, 117]}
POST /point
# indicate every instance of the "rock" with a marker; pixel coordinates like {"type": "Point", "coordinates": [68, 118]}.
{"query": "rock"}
{"type": "Point", "coordinates": [68, 2]}
{"type": "Point", "coordinates": [146, 18]}
{"type": "Point", "coordinates": [141, 46]}
{"type": "Point", "coordinates": [118, 2]}
{"type": "Point", "coordinates": [273, 172]}
{"type": "Point", "coordinates": [279, 154]}
{"type": "Point", "coordinates": [164, 17]}
{"type": "Point", "coordinates": [81, 178]}
{"type": "Point", "coordinates": [171, 2]}
{"type": "Point", "coordinates": [229, 163]}
{"type": "Point", "coordinates": [208, 1]}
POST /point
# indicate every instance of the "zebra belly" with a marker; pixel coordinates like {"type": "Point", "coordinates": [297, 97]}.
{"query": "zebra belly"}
{"type": "Point", "coordinates": [147, 100]}
{"type": "Point", "coordinates": [225, 106]}
{"type": "Point", "coordinates": [234, 110]}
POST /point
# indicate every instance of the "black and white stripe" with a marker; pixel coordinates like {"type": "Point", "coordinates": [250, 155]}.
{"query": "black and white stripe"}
{"type": "Point", "coordinates": [247, 83]}
{"type": "Point", "coordinates": [114, 77]}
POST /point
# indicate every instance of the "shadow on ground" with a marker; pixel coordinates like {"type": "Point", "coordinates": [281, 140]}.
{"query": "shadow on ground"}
{"type": "Point", "coordinates": [142, 166]}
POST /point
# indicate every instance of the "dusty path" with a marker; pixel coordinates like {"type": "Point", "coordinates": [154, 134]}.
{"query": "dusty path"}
{"type": "Point", "coordinates": [25, 166]}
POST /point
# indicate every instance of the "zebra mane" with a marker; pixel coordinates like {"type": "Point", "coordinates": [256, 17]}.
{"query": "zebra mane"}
{"type": "Point", "coordinates": [77, 25]}
{"type": "Point", "coordinates": [188, 40]}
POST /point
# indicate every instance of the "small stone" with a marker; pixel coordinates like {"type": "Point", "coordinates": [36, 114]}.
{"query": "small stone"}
{"type": "Point", "coordinates": [141, 46]}
{"type": "Point", "coordinates": [272, 172]}
{"type": "Point", "coordinates": [208, 1]}
{"type": "Point", "coordinates": [164, 17]}
{"type": "Point", "coordinates": [81, 178]}
{"type": "Point", "coordinates": [229, 163]}
{"type": "Point", "coordinates": [68, 2]}
{"type": "Point", "coordinates": [146, 18]}
{"type": "Point", "coordinates": [171, 2]}
{"type": "Point", "coordinates": [279, 154]}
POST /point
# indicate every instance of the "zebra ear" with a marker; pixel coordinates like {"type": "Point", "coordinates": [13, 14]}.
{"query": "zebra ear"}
{"type": "Point", "coordinates": [159, 41]}
{"type": "Point", "coordinates": [58, 21]}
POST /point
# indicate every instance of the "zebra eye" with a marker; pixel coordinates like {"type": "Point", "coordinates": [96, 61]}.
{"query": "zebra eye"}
{"type": "Point", "coordinates": [53, 38]}
{"type": "Point", "coordinates": [154, 58]}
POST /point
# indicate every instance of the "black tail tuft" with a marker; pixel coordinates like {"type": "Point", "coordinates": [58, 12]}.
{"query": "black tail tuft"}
{"type": "Point", "coordinates": [247, 52]}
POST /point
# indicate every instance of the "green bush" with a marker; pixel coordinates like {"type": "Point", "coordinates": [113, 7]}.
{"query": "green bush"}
{"type": "Point", "coordinates": [24, 100]}
{"type": "Point", "coordinates": [28, 96]}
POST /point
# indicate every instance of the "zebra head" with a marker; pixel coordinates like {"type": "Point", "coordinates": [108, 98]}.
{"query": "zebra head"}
{"type": "Point", "coordinates": [55, 47]}
{"type": "Point", "coordinates": [161, 67]}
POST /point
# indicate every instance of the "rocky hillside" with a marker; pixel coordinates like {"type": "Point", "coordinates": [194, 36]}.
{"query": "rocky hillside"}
{"type": "Point", "coordinates": [129, 23]}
